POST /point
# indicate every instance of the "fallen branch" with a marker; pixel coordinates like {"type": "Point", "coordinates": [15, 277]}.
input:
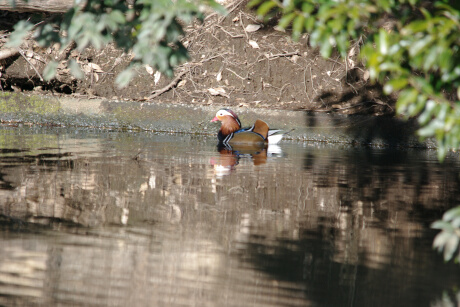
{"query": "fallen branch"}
{"type": "Point", "coordinates": [287, 54]}
{"type": "Point", "coordinates": [279, 55]}
{"type": "Point", "coordinates": [233, 36]}
{"type": "Point", "coordinates": [242, 78]}
{"type": "Point", "coordinates": [27, 60]}
{"type": "Point", "coordinates": [49, 6]}
{"type": "Point", "coordinates": [173, 83]}
{"type": "Point", "coordinates": [167, 87]}
{"type": "Point", "coordinates": [8, 52]}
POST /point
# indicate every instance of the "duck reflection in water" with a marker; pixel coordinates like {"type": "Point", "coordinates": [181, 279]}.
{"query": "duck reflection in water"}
{"type": "Point", "coordinates": [229, 156]}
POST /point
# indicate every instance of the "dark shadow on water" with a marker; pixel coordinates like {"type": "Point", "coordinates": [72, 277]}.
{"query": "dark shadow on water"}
{"type": "Point", "coordinates": [364, 129]}
{"type": "Point", "coordinates": [39, 225]}
{"type": "Point", "coordinates": [357, 96]}
{"type": "Point", "coordinates": [331, 261]}
{"type": "Point", "coordinates": [361, 113]}
{"type": "Point", "coordinates": [327, 282]}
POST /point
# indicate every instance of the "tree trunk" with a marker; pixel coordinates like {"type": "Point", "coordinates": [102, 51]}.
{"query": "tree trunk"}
{"type": "Point", "coordinates": [51, 6]}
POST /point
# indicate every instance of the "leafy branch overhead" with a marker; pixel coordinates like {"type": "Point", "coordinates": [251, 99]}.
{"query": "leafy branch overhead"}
{"type": "Point", "coordinates": [410, 46]}
{"type": "Point", "coordinates": [151, 29]}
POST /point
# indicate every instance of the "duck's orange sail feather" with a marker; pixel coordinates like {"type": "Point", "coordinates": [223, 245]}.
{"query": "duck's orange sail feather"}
{"type": "Point", "coordinates": [261, 128]}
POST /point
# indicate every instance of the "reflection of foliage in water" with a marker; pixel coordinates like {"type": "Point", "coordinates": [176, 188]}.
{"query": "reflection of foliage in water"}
{"type": "Point", "coordinates": [447, 300]}
{"type": "Point", "coordinates": [447, 240]}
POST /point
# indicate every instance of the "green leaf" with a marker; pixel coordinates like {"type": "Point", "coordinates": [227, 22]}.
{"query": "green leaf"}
{"type": "Point", "coordinates": [414, 109]}
{"type": "Point", "coordinates": [417, 26]}
{"type": "Point", "coordinates": [450, 247]}
{"type": "Point", "coordinates": [427, 114]}
{"type": "Point", "coordinates": [451, 214]}
{"type": "Point", "coordinates": [254, 3]}
{"type": "Point", "coordinates": [442, 151]}
{"type": "Point", "coordinates": [21, 30]}
{"type": "Point", "coordinates": [286, 20]}
{"type": "Point", "coordinates": [309, 23]}
{"type": "Point", "coordinates": [297, 26]}
{"type": "Point", "coordinates": [383, 42]}
{"type": "Point", "coordinates": [423, 85]}
{"type": "Point", "coordinates": [441, 239]}
{"type": "Point", "coordinates": [420, 45]}
{"type": "Point", "coordinates": [325, 46]}
{"type": "Point", "coordinates": [442, 225]}
{"type": "Point", "coordinates": [50, 70]}
{"type": "Point", "coordinates": [390, 66]}
{"type": "Point", "coordinates": [124, 77]}
{"type": "Point", "coordinates": [430, 58]}
{"type": "Point", "coordinates": [75, 69]}
{"type": "Point", "coordinates": [406, 97]}
{"type": "Point", "coordinates": [220, 9]}
{"type": "Point", "coordinates": [395, 85]}
{"type": "Point", "coordinates": [307, 7]}
{"type": "Point", "coordinates": [456, 222]}
{"type": "Point", "coordinates": [265, 8]}
{"type": "Point", "coordinates": [117, 17]}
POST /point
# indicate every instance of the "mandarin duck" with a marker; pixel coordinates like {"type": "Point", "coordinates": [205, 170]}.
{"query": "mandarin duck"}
{"type": "Point", "coordinates": [231, 133]}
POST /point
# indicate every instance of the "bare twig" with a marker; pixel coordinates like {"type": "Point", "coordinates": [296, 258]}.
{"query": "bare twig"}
{"type": "Point", "coordinates": [212, 57]}
{"type": "Point", "coordinates": [233, 36]}
{"type": "Point", "coordinates": [21, 52]}
{"type": "Point", "coordinates": [335, 62]}
{"type": "Point", "coordinates": [167, 87]}
{"type": "Point", "coordinates": [64, 54]}
{"type": "Point", "coordinates": [242, 25]}
{"type": "Point", "coordinates": [242, 78]}
{"type": "Point", "coordinates": [283, 87]}
{"type": "Point", "coordinates": [311, 79]}
{"type": "Point", "coordinates": [274, 56]}
{"type": "Point", "coordinates": [305, 83]}
{"type": "Point", "coordinates": [118, 60]}
{"type": "Point", "coordinates": [287, 54]}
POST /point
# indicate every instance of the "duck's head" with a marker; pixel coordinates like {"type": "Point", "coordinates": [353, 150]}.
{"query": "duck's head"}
{"type": "Point", "coordinates": [222, 114]}
{"type": "Point", "coordinates": [229, 120]}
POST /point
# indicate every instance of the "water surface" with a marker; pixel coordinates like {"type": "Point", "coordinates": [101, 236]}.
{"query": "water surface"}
{"type": "Point", "coordinates": [139, 219]}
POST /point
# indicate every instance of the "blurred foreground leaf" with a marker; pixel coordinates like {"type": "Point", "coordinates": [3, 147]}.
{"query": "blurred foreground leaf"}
{"type": "Point", "coordinates": [411, 47]}
{"type": "Point", "coordinates": [152, 29]}
{"type": "Point", "coordinates": [448, 239]}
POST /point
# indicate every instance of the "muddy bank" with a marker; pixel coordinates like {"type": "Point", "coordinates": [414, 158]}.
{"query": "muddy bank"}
{"type": "Point", "coordinates": [236, 60]}
{"type": "Point", "coordinates": [182, 118]}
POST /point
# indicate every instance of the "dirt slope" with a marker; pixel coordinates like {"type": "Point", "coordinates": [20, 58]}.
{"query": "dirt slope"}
{"type": "Point", "coordinates": [235, 60]}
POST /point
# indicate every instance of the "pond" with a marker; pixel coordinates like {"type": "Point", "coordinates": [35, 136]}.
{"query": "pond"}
{"type": "Point", "coordinates": [141, 219]}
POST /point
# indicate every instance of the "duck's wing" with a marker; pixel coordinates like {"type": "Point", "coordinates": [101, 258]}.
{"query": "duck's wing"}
{"type": "Point", "coordinates": [245, 137]}
{"type": "Point", "coordinates": [274, 131]}
{"type": "Point", "coordinates": [260, 127]}
{"type": "Point", "coordinates": [275, 135]}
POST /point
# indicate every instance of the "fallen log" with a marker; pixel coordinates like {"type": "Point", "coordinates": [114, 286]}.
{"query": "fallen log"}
{"type": "Point", "coordinates": [8, 52]}
{"type": "Point", "coordinates": [50, 6]}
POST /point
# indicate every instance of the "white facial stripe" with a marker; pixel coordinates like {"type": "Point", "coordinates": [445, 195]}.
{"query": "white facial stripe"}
{"type": "Point", "coordinates": [222, 113]}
